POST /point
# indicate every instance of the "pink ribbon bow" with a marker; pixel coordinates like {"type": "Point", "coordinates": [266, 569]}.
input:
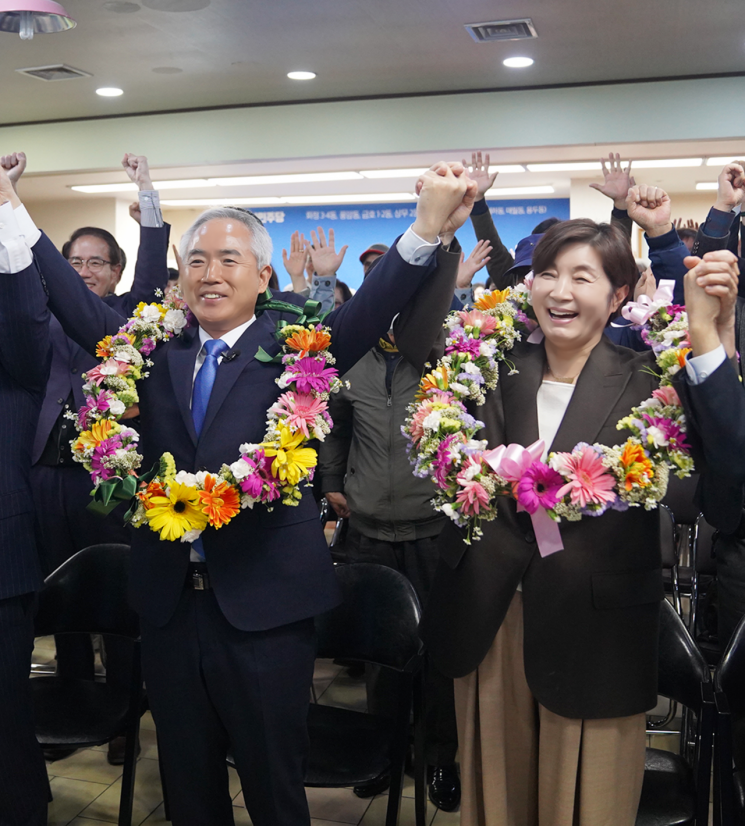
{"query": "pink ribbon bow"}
{"type": "Point", "coordinates": [510, 462]}
{"type": "Point", "coordinates": [639, 312]}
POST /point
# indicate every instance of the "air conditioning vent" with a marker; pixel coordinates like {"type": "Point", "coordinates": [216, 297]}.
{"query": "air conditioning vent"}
{"type": "Point", "coordinates": [57, 72]}
{"type": "Point", "coordinates": [502, 30]}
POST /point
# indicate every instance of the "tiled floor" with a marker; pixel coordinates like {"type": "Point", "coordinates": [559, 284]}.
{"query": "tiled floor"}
{"type": "Point", "coordinates": [86, 788]}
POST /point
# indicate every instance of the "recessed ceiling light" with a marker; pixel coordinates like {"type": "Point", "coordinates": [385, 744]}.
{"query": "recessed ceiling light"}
{"type": "Point", "coordinates": [518, 62]}
{"type": "Point", "coordinates": [301, 75]}
{"type": "Point", "coordinates": [109, 92]}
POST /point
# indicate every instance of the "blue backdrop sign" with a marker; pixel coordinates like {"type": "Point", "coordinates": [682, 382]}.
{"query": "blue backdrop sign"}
{"type": "Point", "coordinates": [361, 225]}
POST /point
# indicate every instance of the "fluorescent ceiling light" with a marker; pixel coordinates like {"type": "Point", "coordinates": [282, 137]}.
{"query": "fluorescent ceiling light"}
{"type": "Point", "coordinates": [574, 166]}
{"type": "Point", "coordinates": [109, 92]}
{"type": "Point", "coordinates": [519, 190]}
{"type": "Point", "coordinates": [518, 62]}
{"type": "Point", "coordinates": [673, 163]}
{"type": "Point", "coordinates": [100, 188]}
{"type": "Point", "coordinates": [707, 185]}
{"type": "Point", "coordinates": [206, 202]}
{"type": "Point", "coordinates": [300, 178]}
{"type": "Point", "coordinates": [196, 183]}
{"type": "Point", "coordinates": [301, 75]}
{"type": "Point", "coordinates": [393, 173]}
{"type": "Point", "coordinates": [507, 169]}
{"type": "Point", "coordinates": [132, 187]}
{"type": "Point", "coordinates": [364, 198]}
{"type": "Point", "coordinates": [723, 161]}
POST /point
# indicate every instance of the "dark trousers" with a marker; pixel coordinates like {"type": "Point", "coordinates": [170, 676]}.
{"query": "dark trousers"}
{"type": "Point", "coordinates": [213, 688]}
{"type": "Point", "coordinates": [64, 527]}
{"type": "Point", "coordinates": [24, 788]}
{"type": "Point", "coordinates": [417, 561]}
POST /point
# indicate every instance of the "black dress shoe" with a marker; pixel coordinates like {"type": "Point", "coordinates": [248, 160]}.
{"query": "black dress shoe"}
{"type": "Point", "coordinates": [53, 753]}
{"type": "Point", "coordinates": [444, 787]}
{"type": "Point", "coordinates": [377, 786]}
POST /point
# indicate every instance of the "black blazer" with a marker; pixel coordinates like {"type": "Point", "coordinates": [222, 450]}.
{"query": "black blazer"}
{"type": "Point", "coordinates": [267, 568]}
{"type": "Point", "coordinates": [24, 367]}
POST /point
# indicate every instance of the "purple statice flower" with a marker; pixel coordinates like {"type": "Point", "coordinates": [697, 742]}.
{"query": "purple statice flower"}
{"type": "Point", "coordinates": [475, 378]}
{"type": "Point", "coordinates": [147, 346]}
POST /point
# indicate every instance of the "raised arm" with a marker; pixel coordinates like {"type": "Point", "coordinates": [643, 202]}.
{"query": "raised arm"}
{"type": "Point", "coordinates": [617, 182]}
{"type": "Point", "coordinates": [717, 230]}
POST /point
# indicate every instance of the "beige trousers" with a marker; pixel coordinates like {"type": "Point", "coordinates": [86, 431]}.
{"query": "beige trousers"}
{"type": "Point", "coordinates": [522, 765]}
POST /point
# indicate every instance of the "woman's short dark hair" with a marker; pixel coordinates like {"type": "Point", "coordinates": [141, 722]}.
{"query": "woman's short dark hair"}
{"type": "Point", "coordinates": [608, 241]}
{"type": "Point", "coordinates": [346, 293]}
{"type": "Point", "coordinates": [116, 253]}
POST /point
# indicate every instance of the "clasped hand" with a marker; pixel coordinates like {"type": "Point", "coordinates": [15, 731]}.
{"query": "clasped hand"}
{"type": "Point", "coordinates": [446, 197]}
{"type": "Point", "coordinates": [710, 296]}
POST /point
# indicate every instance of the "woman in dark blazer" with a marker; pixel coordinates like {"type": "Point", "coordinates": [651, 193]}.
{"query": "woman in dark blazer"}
{"type": "Point", "coordinates": [556, 657]}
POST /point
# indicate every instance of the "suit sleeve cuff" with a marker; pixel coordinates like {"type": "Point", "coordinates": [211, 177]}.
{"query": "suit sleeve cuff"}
{"type": "Point", "coordinates": [480, 207]}
{"type": "Point", "coordinates": [699, 368]}
{"type": "Point", "coordinates": [415, 250]}
{"type": "Point", "coordinates": [669, 239]}
{"type": "Point", "coordinates": [332, 484]}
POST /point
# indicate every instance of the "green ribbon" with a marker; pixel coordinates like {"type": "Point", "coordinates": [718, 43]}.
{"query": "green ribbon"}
{"type": "Point", "coordinates": [307, 316]}
{"type": "Point", "coordinates": [113, 491]}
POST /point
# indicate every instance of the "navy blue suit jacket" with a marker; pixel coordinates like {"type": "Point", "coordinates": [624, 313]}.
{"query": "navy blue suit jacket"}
{"type": "Point", "coordinates": [24, 367]}
{"type": "Point", "coordinates": [267, 568]}
{"type": "Point", "coordinates": [70, 360]}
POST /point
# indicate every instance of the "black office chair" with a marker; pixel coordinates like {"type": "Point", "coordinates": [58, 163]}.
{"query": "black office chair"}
{"type": "Point", "coordinates": [377, 622]}
{"type": "Point", "coordinates": [676, 786]}
{"type": "Point", "coordinates": [729, 686]}
{"type": "Point", "coordinates": [680, 499]}
{"type": "Point", "coordinates": [87, 594]}
{"type": "Point", "coordinates": [704, 570]}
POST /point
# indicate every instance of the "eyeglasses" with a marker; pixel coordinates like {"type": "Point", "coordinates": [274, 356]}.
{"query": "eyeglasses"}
{"type": "Point", "coordinates": [94, 264]}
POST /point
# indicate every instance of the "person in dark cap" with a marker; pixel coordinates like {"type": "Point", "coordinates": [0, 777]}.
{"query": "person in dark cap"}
{"type": "Point", "coordinates": [371, 255]}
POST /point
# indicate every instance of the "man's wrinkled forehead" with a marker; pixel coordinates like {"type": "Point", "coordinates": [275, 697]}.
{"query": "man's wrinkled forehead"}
{"type": "Point", "coordinates": [221, 235]}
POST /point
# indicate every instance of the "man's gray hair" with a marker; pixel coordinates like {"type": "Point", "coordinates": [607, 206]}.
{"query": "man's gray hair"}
{"type": "Point", "coordinates": [261, 242]}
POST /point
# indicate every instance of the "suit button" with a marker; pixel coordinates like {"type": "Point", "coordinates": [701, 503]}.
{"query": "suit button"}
{"type": "Point", "coordinates": [73, 369]}
{"type": "Point", "coordinates": [530, 537]}
{"type": "Point", "coordinates": [60, 401]}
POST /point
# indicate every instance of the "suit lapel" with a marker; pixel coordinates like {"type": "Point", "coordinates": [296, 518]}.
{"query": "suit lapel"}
{"type": "Point", "coordinates": [259, 334]}
{"type": "Point", "coordinates": [599, 387]}
{"type": "Point", "coordinates": [182, 355]}
{"type": "Point", "coordinates": [519, 392]}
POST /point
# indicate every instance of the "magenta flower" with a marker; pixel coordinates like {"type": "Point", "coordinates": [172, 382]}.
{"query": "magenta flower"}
{"type": "Point", "coordinates": [102, 451]}
{"type": "Point", "coordinates": [443, 462]}
{"type": "Point", "coordinates": [300, 410]}
{"type": "Point", "coordinates": [665, 432]}
{"type": "Point", "coordinates": [310, 374]}
{"type": "Point", "coordinates": [461, 344]}
{"type": "Point", "coordinates": [539, 487]}
{"type": "Point", "coordinates": [590, 482]}
{"type": "Point", "coordinates": [147, 346]}
{"type": "Point", "coordinates": [99, 404]}
{"type": "Point", "coordinates": [472, 498]}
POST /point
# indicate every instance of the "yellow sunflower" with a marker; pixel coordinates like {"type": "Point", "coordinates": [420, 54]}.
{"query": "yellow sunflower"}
{"type": "Point", "coordinates": [291, 461]}
{"type": "Point", "coordinates": [176, 512]}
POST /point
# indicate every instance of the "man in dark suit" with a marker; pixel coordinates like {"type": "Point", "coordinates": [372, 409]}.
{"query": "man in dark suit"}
{"type": "Point", "coordinates": [228, 643]}
{"type": "Point", "coordinates": [24, 367]}
{"type": "Point", "coordinates": [61, 487]}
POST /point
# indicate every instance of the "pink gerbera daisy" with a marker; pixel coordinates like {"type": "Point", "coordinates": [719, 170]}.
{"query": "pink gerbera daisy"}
{"type": "Point", "coordinates": [538, 487]}
{"type": "Point", "coordinates": [590, 482]}
{"type": "Point", "coordinates": [478, 320]}
{"type": "Point", "coordinates": [310, 374]}
{"type": "Point", "coordinates": [300, 410]}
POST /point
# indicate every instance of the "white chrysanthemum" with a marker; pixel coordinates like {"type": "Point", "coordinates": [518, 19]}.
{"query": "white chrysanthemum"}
{"type": "Point", "coordinates": [150, 314]}
{"type": "Point", "coordinates": [174, 321]}
{"type": "Point", "coordinates": [183, 477]}
{"type": "Point", "coordinates": [191, 536]}
{"type": "Point", "coordinates": [117, 407]}
{"type": "Point", "coordinates": [241, 468]}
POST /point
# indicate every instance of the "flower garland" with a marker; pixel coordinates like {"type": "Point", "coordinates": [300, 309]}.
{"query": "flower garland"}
{"type": "Point", "coordinates": [585, 482]}
{"type": "Point", "coordinates": [179, 504]}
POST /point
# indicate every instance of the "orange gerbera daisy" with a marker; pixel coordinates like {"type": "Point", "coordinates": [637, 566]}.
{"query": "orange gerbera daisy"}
{"type": "Point", "coordinates": [99, 432]}
{"type": "Point", "coordinates": [103, 348]}
{"type": "Point", "coordinates": [490, 300]}
{"type": "Point", "coordinates": [637, 467]}
{"type": "Point", "coordinates": [682, 353]}
{"type": "Point", "coordinates": [153, 489]}
{"type": "Point", "coordinates": [308, 341]}
{"type": "Point", "coordinates": [436, 380]}
{"type": "Point", "coordinates": [221, 501]}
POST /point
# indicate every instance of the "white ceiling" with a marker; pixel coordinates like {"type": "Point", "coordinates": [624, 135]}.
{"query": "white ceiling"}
{"type": "Point", "coordinates": [233, 52]}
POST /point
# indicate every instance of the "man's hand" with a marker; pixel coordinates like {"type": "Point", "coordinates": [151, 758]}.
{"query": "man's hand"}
{"type": "Point", "coordinates": [710, 297]}
{"type": "Point", "coordinates": [479, 172]}
{"type": "Point", "coordinates": [326, 260]}
{"type": "Point", "coordinates": [649, 206]}
{"type": "Point", "coordinates": [616, 181]}
{"type": "Point", "coordinates": [295, 261]}
{"type": "Point", "coordinates": [730, 187]}
{"type": "Point", "coordinates": [135, 212]}
{"type": "Point", "coordinates": [441, 191]}
{"type": "Point", "coordinates": [338, 502]}
{"type": "Point", "coordinates": [137, 168]}
{"type": "Point", "coordinates": [646, 285]}
{"type": "Point", "coordinates": [468, 267]}
{"type": "Point", "coordinates": [7, 192]}
{"type": "Point", "coordinates": [15, 165]}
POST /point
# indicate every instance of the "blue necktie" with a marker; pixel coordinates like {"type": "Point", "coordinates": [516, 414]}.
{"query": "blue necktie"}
{"type": "Point", "coordinates": [200, 398]}
{"type": "Point", "coordinates": [204, 381]}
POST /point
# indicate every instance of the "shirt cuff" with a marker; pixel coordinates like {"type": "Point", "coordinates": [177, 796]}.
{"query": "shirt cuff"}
{"type": "Point", "coordinates": [15, 256]}
{"type": "Point", "coordinates": [150, 208]}
{"type": "Point", "coordinates": [699, 368]}
{"type": "Point", "coordinates": [26, 226]}
{"type": "Point", "coordinates": [415, 250]}
{"type": "Point", "coordinates": [718, 223]}
{"type": "Point", "coordinates": [620, 214]}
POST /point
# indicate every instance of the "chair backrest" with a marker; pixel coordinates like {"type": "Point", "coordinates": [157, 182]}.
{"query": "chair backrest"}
{"type": "Point", "coordinates": [679, 498]}
{"type": "Point", "coordinates": [88, 594]}
{"type": "Point", "coordinates": [730, 675]}
{"type": "Point", "coordinates": [668, 547]}
{"type": "Point", "coordinates": [377, 621]}
{"type": "Point", "coordinates": [682, 667]}
{"type": "Point", "coordinates": [703, 547]}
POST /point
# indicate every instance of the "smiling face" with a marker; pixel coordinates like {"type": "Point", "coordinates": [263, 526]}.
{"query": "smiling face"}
{"type": "Point", "coordinates": [91, 257]}
{"type": "Point", "coordinates": [573, 298]}
{"type": "Point", "coordinates": [222, 280]}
